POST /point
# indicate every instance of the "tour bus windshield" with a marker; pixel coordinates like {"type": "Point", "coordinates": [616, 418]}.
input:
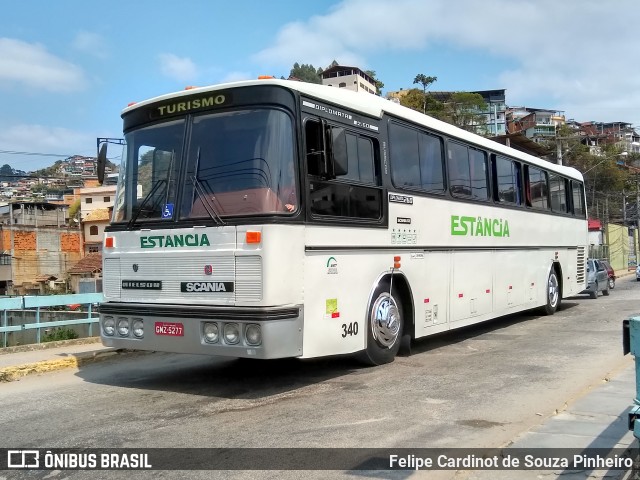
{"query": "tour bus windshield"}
{"type": "Point", "coordinates": [233, 163]}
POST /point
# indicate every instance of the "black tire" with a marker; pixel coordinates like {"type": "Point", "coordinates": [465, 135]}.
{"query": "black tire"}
{"type": "Point", "coordinates": [606, 292]}
{"type": "Point", "coordinates": [553, 294]}
{"type": "Point", "coordinates": [594, 294]}
{"type": "Point", "coordinates": [385, 324]}
{"type": "Point", "coordinates": [612, 283]}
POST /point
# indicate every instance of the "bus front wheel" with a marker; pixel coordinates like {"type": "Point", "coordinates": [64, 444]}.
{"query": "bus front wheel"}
{"type": "Point", "coordinates": [384, 327]}
{"type": "Point", "coordinates": [553, 293]}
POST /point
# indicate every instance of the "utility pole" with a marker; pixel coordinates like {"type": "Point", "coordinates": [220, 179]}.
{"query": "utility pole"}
{"type": "Point", "coordinates": [637, 239]}
{"type": "Point", "coordinates": [559, 150]}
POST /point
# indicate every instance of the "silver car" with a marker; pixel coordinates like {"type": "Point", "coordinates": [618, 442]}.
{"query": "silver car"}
{"type": "Point", "coordinates": [597, 279]}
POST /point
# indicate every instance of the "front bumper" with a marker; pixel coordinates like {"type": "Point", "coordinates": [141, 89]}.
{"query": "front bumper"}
{"type": "Point", "coordinates": [281, 329]}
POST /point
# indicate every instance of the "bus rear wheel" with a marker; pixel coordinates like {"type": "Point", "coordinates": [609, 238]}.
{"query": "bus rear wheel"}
{"type": "Point", "coordinates": [384, 328]}
{"type": "Point", "coordinates": [553, 293]}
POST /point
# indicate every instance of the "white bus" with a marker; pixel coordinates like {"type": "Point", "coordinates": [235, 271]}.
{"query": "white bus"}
{"type": "Point", "coordinates": [270, 218]}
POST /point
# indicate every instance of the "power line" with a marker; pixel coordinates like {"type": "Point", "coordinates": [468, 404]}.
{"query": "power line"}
{"type": "Point", "coordinates": [13, 152]}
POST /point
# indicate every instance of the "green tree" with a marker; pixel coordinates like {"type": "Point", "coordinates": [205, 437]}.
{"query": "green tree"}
{"type": "Point", "coordinates": [51, 171]}
{"type": "Point", "coordinates": [74, 211]}
{"type": "Point", "coordinates": [379, 85]}
{"type": "Point", "coordinates": [605, 179]}
{"type": "Point", "coordinates": [425, 81]}
{"type": "Point", "coordinates": [416, 100]}
{"type": "Point", "coordinates": [465, 110]}
{"type": "Point", "coordinates": [306, 73]}
{"type": "Point", "coordinates": [5, 173]}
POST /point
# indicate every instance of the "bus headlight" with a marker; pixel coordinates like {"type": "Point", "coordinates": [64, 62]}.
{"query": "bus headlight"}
{"type": "Point", "coordinates": [123, 327]}
{"type": "Point", "coordinates": [253, 334]}
{"type": "Point", "coordinates": [211, 332]}
{"type": "Point", "coordinates": [109, 326]}
{"type": "Point", "coordinates": [138, 327]}
{"type": "Point", "coordinates": [231, 333]}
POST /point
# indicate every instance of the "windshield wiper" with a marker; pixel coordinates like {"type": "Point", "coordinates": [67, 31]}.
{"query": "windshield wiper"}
{"type": "Point", "coordinates": [203, 196]}
{"type": "Point", "coordinates": [136, 214]}
{"type": "Point", "coordinates": [153, 190]}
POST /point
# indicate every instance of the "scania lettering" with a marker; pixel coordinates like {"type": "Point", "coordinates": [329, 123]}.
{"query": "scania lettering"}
{"type": "Point", "coordinates": [271, 218]}
{"type": "Point", "coordinates": [207, 286]}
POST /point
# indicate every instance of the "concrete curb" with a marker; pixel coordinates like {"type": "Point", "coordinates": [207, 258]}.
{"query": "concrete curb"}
{"type": "Point", "coordinates": [47, 345]}
{"type": "Point", "coordinates": [13, 373]}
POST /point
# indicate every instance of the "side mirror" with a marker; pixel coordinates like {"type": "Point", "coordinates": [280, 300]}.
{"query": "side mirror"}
{"type": "Point", "coordinates": [102, 162]}
{"type": "Point", "coordinates": [339, 158]}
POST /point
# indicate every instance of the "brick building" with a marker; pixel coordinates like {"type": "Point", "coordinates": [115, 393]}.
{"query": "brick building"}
{"type": "Point", "coordinates": [40, 245]}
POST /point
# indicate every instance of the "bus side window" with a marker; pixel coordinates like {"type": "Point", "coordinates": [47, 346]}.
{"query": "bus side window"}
{"type": "Point", "coordinates": [578, 199]}
{"type": "Point", "coordinates": [506, 180]}
{"type": "Point", "coordinates": [538, 188]}
{"type": "Point", "coordinates": [558, 193]}
{"type": "Point", "coordinates": [459, 174]}
{"type": "Point", "coordinates": [527, 186]}
{"type": "Point", "coordinates": [478, 174]}
{"type": "Point", "coordinates": [519, 186]}
{"type": "Point", "coordinates": [468, 172]}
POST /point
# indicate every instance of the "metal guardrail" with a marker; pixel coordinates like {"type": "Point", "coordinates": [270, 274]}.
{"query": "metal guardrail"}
{"type": "Point", "coordinates": [36, 302]}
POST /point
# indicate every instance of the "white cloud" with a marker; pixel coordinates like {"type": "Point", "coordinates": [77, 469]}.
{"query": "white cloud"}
{"type": "Point", "coordinates": [575, 53]}
{"type": "Point", "coordinates": [43, 140]}
{"type": "Point", "coordinates": [237, 76]}
{"type": "Point", "coordinates": [177, 68]}
{"type": "Point", "coordinates": [30, 65]}
{"type": "Point", "coordinates": [91, 43]}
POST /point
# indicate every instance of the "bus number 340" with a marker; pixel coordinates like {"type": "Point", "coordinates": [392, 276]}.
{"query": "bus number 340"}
{"type": "Point", "coordinates": [349, 330]}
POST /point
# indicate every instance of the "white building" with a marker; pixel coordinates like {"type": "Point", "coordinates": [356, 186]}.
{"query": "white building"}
{"type": "Point", "coordinates": [351, 78]}
{"type": "Point", "coordinates": [94, 198]}
{"type": "Point", "coordinates": [93, 229]}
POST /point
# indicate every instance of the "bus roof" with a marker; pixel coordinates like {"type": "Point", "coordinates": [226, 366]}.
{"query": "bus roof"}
{"type": "Point", "coordinates": [373, 106]}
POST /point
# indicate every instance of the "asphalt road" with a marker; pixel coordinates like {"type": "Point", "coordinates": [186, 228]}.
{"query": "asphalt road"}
{"type": "Point", "coordinates": [478, 387]}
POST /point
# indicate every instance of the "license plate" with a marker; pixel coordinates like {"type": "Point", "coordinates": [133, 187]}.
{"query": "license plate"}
{"type": "Point", "coordinates": [169, 329]}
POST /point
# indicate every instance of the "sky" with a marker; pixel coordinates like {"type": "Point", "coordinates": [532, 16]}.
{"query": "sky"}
{"type": "Point", "coordinates": [69, 67]}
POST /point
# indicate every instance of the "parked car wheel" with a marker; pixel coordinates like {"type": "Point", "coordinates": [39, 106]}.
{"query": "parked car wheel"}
{"type": "Point", "coordinates": [594, 294]}
{"type": "Point", "coordinates": [605, 292]}
{"type": "Point", "coordinates": [612, 283]}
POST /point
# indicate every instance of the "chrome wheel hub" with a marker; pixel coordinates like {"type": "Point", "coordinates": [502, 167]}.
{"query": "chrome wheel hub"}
{"type": "Point", "coordinates": [385, 321]}
{"type": "Point", "coordinates": [554, 291]}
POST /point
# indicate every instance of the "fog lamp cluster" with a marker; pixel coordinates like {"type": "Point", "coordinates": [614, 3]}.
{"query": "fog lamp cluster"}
{"type": "Point", "coordinates": [123, 326]}
{"type": "Point", "coordinates": [231, 333]}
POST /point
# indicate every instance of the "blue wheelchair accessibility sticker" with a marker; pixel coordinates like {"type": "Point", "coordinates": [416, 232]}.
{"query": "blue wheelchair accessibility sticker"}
{"type": "Point", "coordinates": [167, 211]}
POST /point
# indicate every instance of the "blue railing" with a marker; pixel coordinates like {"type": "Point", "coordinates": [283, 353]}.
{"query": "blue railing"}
{"type": "Point", "coordinates": [37, 302]}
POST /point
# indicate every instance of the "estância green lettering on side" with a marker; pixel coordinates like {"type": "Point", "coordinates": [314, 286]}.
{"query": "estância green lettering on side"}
{"type": "Point", "coordinates": [167, 241]}
{"type": "Point", "coordinates": [479, 227]}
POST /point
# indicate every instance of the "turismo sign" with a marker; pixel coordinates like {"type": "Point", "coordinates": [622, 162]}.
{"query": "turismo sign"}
{"type": "Point", "coordinates": [184, 105]}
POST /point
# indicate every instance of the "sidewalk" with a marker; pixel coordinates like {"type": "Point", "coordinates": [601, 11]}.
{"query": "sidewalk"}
{"type": "Point", "coordinates": [598, 419]}
{"type": "Point", "coordinates": [17, 362]}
